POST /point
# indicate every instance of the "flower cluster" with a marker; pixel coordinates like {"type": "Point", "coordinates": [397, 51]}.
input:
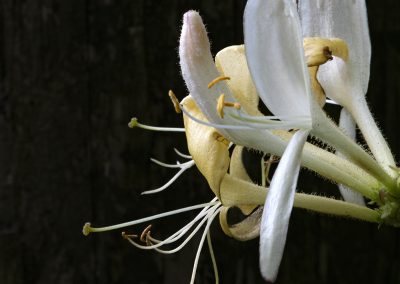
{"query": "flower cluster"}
{"type": "Point", "coordinates": [296, 58]}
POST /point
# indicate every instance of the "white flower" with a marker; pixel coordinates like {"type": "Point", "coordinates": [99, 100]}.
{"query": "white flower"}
{"type": "Point", "coordinates": [347, 82]}
{"type": "Point", "coordinates": [274, 48]}
{"type": "Point", "coordinates": [286, 94]}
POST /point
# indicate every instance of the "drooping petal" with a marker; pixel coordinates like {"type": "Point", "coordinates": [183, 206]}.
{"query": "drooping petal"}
{"type": "Point", "coordinates": [349, 127]}
{"type": "Point", "coordinates": [274, 50]}
{"type": "Point", "coordinates": [346, 20]}
{"type": "Point", "coordinates": [198, 70]}
{"type": "Point", "coordinates": [278, 207]}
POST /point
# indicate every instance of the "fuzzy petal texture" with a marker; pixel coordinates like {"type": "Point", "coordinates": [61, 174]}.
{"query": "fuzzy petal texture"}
{"type": "Point", "coordinates": [346, 20]}
{"type": "Point", "coordinates": [278, 207]}
{"type": "Point", "coordinates": [274, 50]}
{"type": "Point", "coordinates": [348, 126]}
{"type": "Point", "coordinates": [198, 69]}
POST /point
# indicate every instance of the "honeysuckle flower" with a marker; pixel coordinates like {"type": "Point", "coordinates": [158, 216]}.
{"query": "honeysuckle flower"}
{"type": "Point", "coordinates": [221, 111]}
{"type": "Point", "coordinates": [273, 40]}
{"type": "Point", "coordinates": [347, 83]}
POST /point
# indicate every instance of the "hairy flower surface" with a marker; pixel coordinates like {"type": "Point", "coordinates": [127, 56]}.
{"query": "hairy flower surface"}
{"type": "Point", "coordinates": [296, 55]}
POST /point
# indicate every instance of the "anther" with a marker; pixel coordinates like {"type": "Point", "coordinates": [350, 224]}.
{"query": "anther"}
{"type": "Point", "coordinates": [133, 123]}
{"type": "Point", "coordinates": [128, 236]}
{"type": "Point", "coordinates": [175, 101]}
{"type": "Point", "coordinates": [221, 104]}
{"type": "Point", "coordinates": [216, 80]}
{"type": "Point", "coordinates": [143, 235]}
{"type": "Point", "coordinates": [86, 229]}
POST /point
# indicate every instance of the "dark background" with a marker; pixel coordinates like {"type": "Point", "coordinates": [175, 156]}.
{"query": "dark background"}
{"type": "Point", "coordinates": [72, 74]}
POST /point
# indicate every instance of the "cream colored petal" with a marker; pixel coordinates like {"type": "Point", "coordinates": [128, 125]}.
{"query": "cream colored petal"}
{"type": "Point", "coordinates": [245, 230]}
{"type": "Point", "coordinates": [231, 62]}
{"type": "Point", "coordinates": [208, 148]}
{"type": "Point", "coordinates": [238, 170]}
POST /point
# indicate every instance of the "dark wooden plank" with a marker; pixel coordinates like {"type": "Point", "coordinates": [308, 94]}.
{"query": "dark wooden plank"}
{"type": "Point", "coordinates": [72, 74]}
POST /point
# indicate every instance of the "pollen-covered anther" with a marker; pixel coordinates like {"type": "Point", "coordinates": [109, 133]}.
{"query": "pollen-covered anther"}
{"type": "Point", "coordinates": [216, 80]}
{"type": "Point", "coordinates": [86, 229]}
{"type": "Point", "coordinates": [128, 236]}
{"type": "Point", "coordinates": [133, 123]}
{"type": "Point", "coordinates": [175, 101]}
{"type": "Point", "coordinates": [221, 104]}
{"type": "Point", "coordinates": [144, 234]}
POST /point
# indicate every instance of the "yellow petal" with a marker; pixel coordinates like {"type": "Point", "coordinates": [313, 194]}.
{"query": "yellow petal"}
{"type": "Point", "coordinates": [245, 230]}
{"type": "Point", "coordinates": [319, 50]}
{"type": "Point", "coordinates": [231, 62]}
{"type": "Point", "coordinates": [237, 170]}
{"type": "Point", "coordinates": [208, 148]}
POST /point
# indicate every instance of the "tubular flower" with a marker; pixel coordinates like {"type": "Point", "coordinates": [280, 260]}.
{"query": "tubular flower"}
{"type": "Point", "coordinates": [292, 63]}
{"type": "Point", "coordinates": [347, 82]}
{"type": "Point", "coordinates": [277, 57]}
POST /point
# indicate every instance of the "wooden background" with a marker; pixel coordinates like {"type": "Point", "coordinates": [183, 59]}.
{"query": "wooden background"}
{"type": "Point", "coordinates": [72, 74]}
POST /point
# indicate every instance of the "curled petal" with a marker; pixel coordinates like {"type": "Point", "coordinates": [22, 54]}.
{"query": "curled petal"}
{"type": "Point", "coordinates": [208, 148]}
{"type": "Point", "coordinates": [274, 49]}
{"type": "Point", "coordinates": [245, 230]}
{"type": "Point", "coordinates": [278, 207]}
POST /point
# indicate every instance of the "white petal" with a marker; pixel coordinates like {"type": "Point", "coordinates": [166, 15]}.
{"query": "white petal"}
{"type": "Point", "coordinates": [198, 69]}
{"type": "Point", "coordinates": [278, 206]}
{"type": "Point", "coordinates": [274, 50]}
{"type": "Point", "coordinates": [344, 19]}
{"type": "Point", "coordinates": [348, 125]}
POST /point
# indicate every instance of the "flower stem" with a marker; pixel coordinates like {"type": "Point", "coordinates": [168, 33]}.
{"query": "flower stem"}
{"type": "Point", "coordinates": [236, 192]}
{"type": "Point", "coordinates": [337, 169]}
{"type": "Point", "coordinates": [373, 136]}
{"type": "Point", "coordinates": [329, 132]}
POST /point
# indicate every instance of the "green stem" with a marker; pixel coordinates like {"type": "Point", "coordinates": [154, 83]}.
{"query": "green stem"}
{"type": "Point", "coordinates": [337, 169]}
{"type": "Point", "coordinates": [329, 132]}
{"type": "Point", "coordinates": [236, 192]}
{"type": "Point", "coordinates": [373, 136]}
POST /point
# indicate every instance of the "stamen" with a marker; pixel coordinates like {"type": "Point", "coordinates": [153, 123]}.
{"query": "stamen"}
{"type": "Point", "coordinates": [134, 123]}
{"type": "Point", "coordinates": [212, 255]}
{"type": "Point", "coordinates": [87, 229]}
{"type": "Point", "coordinates": [152, 243]}
{"type": "Point", "coordinates": [175, 101]}
{"type": "Point", "coordinates": [216, 80]}
{"type": "Point", "coordinates": [264, 123]}
{"type": "Point", "coordinates": [183, 167]}
{"type": "Point", "coordinates": [182, 155]}
{"type": "Point", "coordinates": [146, 231]}
{"type": "Point", "coordinates": [177, 165]}
{"type": "Point", "coordinates": [221, 104]}
{"type": "Point", "coordinates": [196, 260]}
{"type": "Point", "coordinates": [126, 236]}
